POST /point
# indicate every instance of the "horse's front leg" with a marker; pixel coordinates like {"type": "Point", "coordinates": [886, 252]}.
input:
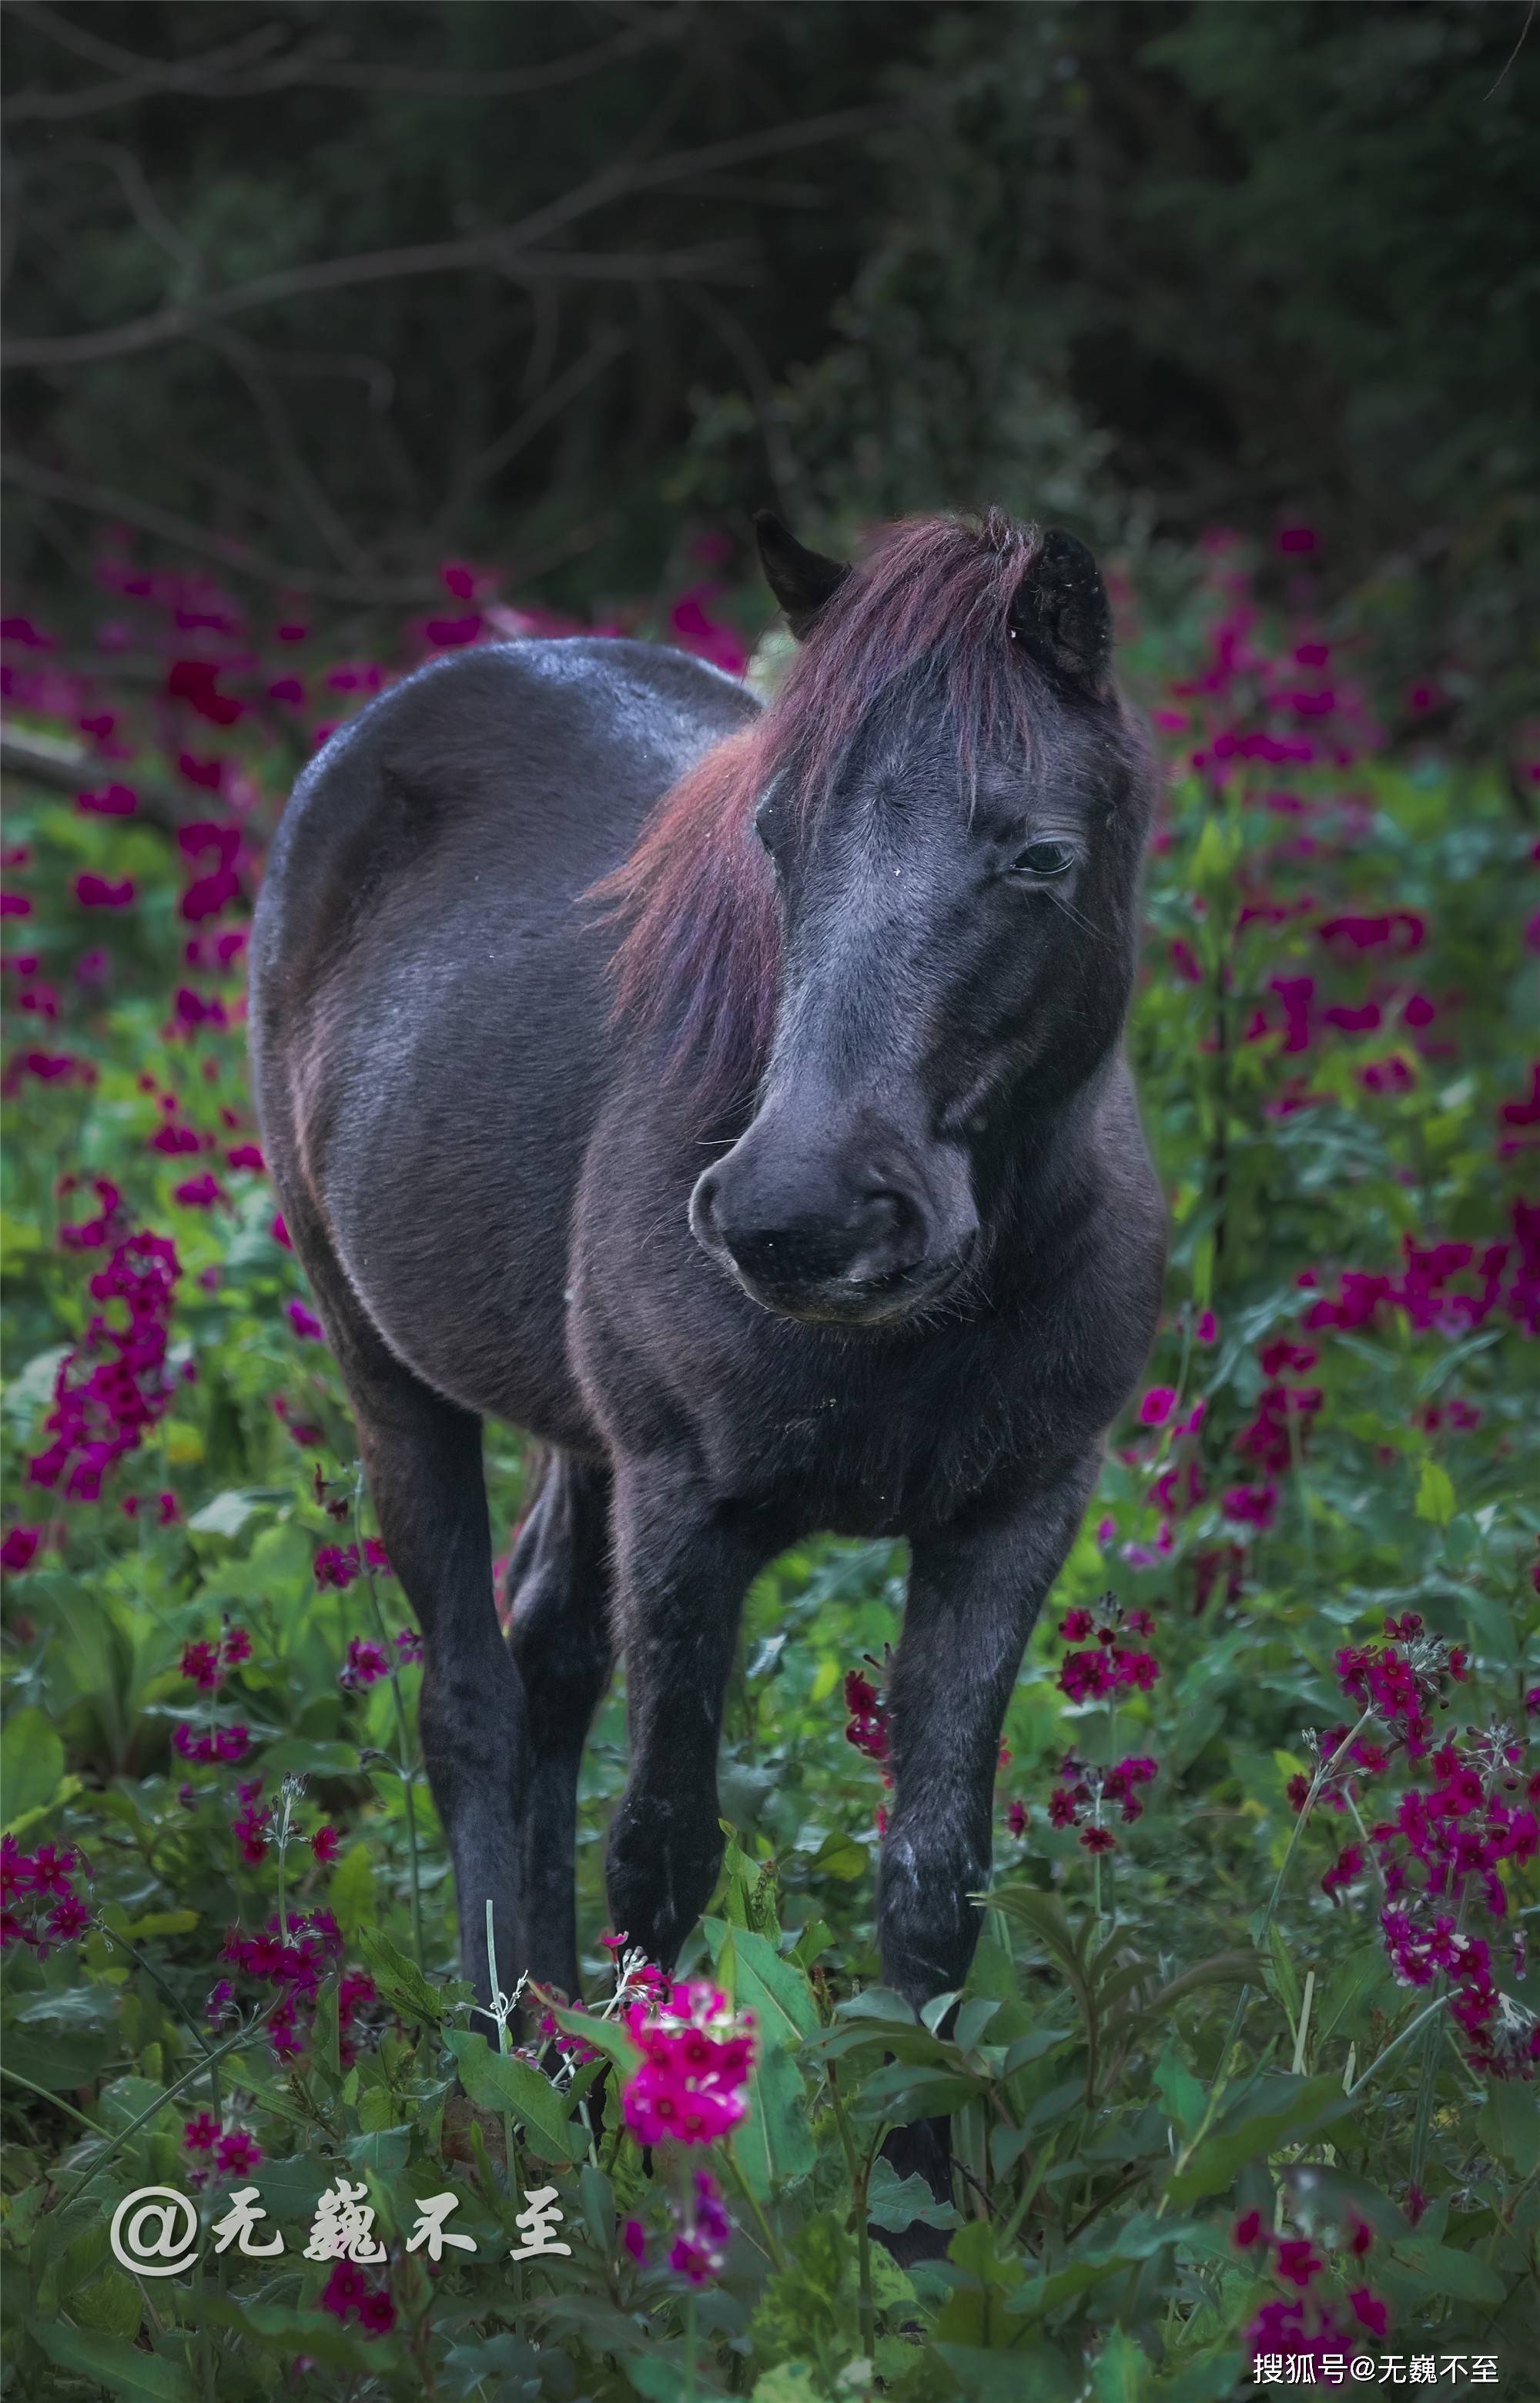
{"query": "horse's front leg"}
{"type": "Point", "coordinates": [681, 1568]}
{"type": "Point", "coordinates": [973, 1597]}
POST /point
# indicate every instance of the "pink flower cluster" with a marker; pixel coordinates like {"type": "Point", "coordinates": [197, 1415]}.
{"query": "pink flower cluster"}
{"type": "Point", "coordinates": [115, 1384]}
{"type": "Point", "coordinates": [1500, 1276]}
{"type": "Point", "coordinates": [866, 1727]}
{"type": "Point", "coordinates": [38, 1904]}
{"type": "Point", "coordinates": [229, 2152]}
{"type": "Point", "coordinates": [205, 1664]}
{"type": "Point", "coordinates": [1403, 1680]}
{"type": "Point", "coordinates": [348, 2293]}
{"type": "Point", "coordinates": [1088, 1677]}
{"type": "Point", "coordinates": [699, 2249]}
{"type": "Point", "coordinates": [295, 1963]}
{"type": "Point", "coordinates": [1087, 1792]}
{"type": "Point", "coordinates": [337, 1564]}
{"type": "Point", "coordinates": [696, 2057]}
{"type": "Point", "coordinates": [1307, 2324]}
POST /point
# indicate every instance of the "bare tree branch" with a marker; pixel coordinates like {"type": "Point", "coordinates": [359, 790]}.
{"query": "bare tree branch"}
{"type": "Point", "coordinates": [501, 248]}
{"type": "Point", "coordinates": [600, 354]}
{"type": "Point", "coordinates": [236, 71]}
{"type": "Point", "coordinates": [498, 249]}
{"type": "Point", "coordinates": [786, 475]}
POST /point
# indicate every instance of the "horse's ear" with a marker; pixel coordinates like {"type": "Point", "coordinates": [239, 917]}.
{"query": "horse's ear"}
{"type": "Point", "coordinates": [1060, 615]}
{"type": "Point", "coordinates": [801, 579]}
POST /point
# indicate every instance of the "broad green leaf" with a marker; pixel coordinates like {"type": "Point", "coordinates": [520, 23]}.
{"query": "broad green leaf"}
{"type": "Point", "coordinates": [400, 1978]}
{"type": "Point", "coordinates": [31, 1764]}
{"type": "Point", "coordinates": [1314, 2105]}
{"type": "Point", "coordinates": [113, 2362]}
{"type": "Point", "coordinates": [607, 2037]}
{"type": "Point", "coordinates": [1436, 1497]}
{"type": "Point", "coordinates": [349, 1897]}
{"type": "Point", "coordinates": [775, 2143]}
{"type": "Point", "coordinates": [893, 2202]}
{"type": "Point", "coordinates": [500, 2082]}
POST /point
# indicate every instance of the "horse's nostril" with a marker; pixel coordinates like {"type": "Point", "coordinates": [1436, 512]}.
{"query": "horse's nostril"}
{"type": "Point", "coordinates": [882, 1211]}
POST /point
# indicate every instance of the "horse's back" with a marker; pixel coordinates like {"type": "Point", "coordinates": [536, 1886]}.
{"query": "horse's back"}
{"type": "Point", "coordinates": [430, 1001]}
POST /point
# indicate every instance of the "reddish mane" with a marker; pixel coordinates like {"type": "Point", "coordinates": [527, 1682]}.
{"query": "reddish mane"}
{"type": "Point", "coordinates": [701, 948]}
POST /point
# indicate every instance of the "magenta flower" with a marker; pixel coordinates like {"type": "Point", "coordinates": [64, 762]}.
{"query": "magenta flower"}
{"type": "Point", "coordinates": [866, 1727]}
{"type": "Point", "coordinates": [366, 1661]}
{"type": "Point", "coordinates": [325, 1845]}
{"type": "Point", "coordinates": [199, 1192]}
{"type": "Point", "coordinates": [50, 1870]}
{"type": "Point", "coordinates": [1156, 1406]}
{"type": "Point", "coordinates": [235, 1647]}
{"type": "Point", "coordinates": [305, 1323]}
{"type": "Point", "coordinates": [200, 2134]}
{"type": "Point", "coordinates": [68, 1919]}
{"type": "Point", "coordinates": [336, 1566]}
{"type": "Point", "coordinates": [20, 1548]}
{"type": "Point", "coordinates": [100, 893]}
{"type": "Point", "coordinates": [236, 2155]}
{"type": "Point", "coordinates": [346, 2290]}
{"type": "Point", "coordinates": [696, 2058]}
{"type": "Point", "coordinates": [201, 1665]}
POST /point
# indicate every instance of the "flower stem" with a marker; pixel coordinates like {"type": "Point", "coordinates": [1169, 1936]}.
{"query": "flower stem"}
{"type": "Point", "coordinates": [406, 1772]}
{"type": "Point", "coordinates": [1428, 2012]}
{"type": "Point", "coordinates": [860, 2178]}
{"type": "Point", "coordinates": [1324, 1772]}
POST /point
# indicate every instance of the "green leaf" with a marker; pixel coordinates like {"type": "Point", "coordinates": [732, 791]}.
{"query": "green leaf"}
{"type": "Point", "coordinates": [499, 2082]}
{"type": "Point", "coordinates": [1447, 2271]}
{"type": "Point", "coordinates": [775, 2143]}
{"type": "Point", "coordinates": [1510, 2124]}
{"type": "Point", "coordinates": [893, 2202]}
{"type": "Point", "coordinates": [350, 1895]}
{"type": "Point", "coordinates": [1180, 2092]}
{"type": "Point", "coordinates": [383, 2150]}
{"type": "Point", "coordinates": [110, 2304]}
{"type": "Point", "coordinates": [112, 2362]}
{"type": "Point", "coordinates": [31, 1764]}
{"type": "Point", "coordinates": [300, 1756]}
{"type": "Point", "coordinates": [606, 2035]}
{"type": "Point", "coordinates": [400, 1978]}
{"type": "Point", "coordinates": [1435, 1498]}
{"type": "Point", "coordinates": [32, 1389]}
{"type": "Point", "coordinates": [840, 1856]}
{"type": "Point", "coordinates": [1121, 2374]}
{"type": "Point", "coordinates": [1315, 2103]}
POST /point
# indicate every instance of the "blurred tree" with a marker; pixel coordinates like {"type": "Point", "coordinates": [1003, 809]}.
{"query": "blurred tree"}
{"type": "Point", "coordinates": [356, 287]}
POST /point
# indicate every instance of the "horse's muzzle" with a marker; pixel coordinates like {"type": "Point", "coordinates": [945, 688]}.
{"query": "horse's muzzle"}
{"type": "Point", "coordinates": [860, 1245]}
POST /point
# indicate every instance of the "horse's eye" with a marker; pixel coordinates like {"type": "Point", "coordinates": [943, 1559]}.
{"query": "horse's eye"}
{"type": "Point", "coordinates": [1043, 859]}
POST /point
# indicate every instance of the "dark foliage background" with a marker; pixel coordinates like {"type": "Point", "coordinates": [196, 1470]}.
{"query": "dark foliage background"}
{"type": "Point", "coordinates": [350, 288]}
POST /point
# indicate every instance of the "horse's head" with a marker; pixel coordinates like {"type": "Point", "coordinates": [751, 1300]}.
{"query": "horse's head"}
{"type": "Point", "coordinates": [955, 812]}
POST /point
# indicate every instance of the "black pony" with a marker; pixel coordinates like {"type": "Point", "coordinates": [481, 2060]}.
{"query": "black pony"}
{"type": "Point", "coordinates": [734, 1098]}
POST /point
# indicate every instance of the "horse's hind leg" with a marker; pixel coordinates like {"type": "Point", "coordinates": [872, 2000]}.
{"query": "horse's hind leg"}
{"type": "Point", "coordinates": [422, 1457]}
{"type": "Point", "coordinates": [561, 1641]}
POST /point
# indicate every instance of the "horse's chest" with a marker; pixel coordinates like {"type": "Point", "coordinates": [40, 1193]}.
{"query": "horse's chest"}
{"type": "Point", "coordinates": [867, 1455]}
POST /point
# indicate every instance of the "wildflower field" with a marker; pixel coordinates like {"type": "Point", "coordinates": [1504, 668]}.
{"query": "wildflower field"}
{"type": "Point", "coordinates": [1241, 2087]}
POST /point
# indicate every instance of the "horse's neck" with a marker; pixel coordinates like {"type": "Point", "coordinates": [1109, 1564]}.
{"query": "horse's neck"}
{"type": "Point", "coordinates": [1051, 1162]}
